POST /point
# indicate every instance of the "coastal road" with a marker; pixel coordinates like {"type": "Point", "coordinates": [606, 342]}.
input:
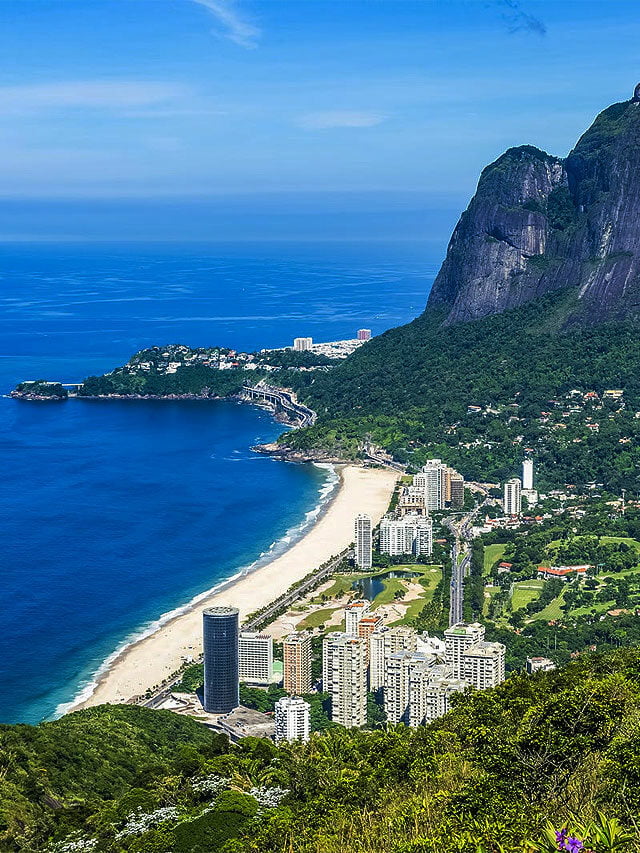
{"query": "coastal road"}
{"type": "Point", "coordinates": [256, 622]}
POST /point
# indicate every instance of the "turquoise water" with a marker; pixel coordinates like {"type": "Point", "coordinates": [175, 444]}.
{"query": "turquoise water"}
{"type": "Point", "coordinates": [114, 514]}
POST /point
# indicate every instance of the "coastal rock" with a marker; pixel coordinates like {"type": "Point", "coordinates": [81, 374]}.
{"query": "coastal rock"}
{"type": "Point", "coordinates": [538, 224]}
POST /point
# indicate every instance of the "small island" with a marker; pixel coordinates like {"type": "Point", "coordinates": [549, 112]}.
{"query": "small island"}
{"type": "Point", "coordinates": [40, 389]}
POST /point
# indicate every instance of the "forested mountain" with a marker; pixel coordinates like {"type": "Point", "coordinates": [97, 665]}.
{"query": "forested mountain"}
{"type": "Point", "coordinates": [538, 297]}
{"type": "Point", "coordinates": [558, 747]}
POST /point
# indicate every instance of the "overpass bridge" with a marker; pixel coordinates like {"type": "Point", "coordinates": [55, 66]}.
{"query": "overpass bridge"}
{"type": "Point", "coordinates": [281, 401]}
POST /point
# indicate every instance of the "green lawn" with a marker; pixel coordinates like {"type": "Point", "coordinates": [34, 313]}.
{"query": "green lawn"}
{"type": "Point", "coordinates": [552, 610]}
{"type": "Point", "coordinates": [616, 540]}
{"type": "Point", "coordinates": [314, 620]}
{"type": "Point", "coordinates": [524, 592]}
{"type": "Point", "coordinates": [429, 580]}
{"type": "Point", "coordinates": [491, 554]}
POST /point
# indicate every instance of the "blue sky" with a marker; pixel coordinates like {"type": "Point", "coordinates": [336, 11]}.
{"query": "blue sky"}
{"type": "Point", "coordinates": [289, 108]}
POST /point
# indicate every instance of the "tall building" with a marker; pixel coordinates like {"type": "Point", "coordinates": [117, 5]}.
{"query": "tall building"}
{"type": "Point", "coordinates": [457, 639]}
{"type": "Point", "coordinates": [411, 501]}
{"type": "Point", "coordinates": [220, 647]}
{"type": "Point", "coordinates": [483, 664]}
{"type": "Point", "coordinates": [255, 657]}
{"type": "Point", "coordinates": [434, 699]}
{"type": "Point", "coordinates": [353, 613]}
{"type": "Point", "coordinates": [364, 334]}
{"type": "Point", "coordinates": [399, 671]}
{"type": "Point", "coordinates": [292, 719]}
{"type": "Point", "coordinates": [512, 497]}
{"type": "Point", "coordinates": [429, 478]}
{"type": "Point", "coordinates": [297, 663]}
{"type": "Point", "coordinates": [382, 644]}
{"type": "Point", "coordinates": [363, 541]}
{"type": "Point", "coordinates": [366, 627]}
{"type": "Point", "coordinates": [411, 534]}
{"type": "Point", "coordinates": [457, 489]}
{"type": "Point", "coordinates": [344, 676]}
{"type": "Point", "coordinates": [302, 344]}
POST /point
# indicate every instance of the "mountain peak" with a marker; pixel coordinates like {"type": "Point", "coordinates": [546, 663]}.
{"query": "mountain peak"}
{"type": "Point", "coordinates": [538, 223]}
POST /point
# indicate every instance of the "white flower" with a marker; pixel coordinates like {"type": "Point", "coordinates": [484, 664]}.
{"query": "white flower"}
{"type": "Point", "coordinates": [213, 785]}
{"type": "Point", "coordinates": [269, 798]}
{"type": "Point", "coordinates": [138, 822]}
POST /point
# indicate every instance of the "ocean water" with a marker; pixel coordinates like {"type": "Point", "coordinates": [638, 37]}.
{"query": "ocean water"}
{"type": "Point", "coordinates": [114, 514]}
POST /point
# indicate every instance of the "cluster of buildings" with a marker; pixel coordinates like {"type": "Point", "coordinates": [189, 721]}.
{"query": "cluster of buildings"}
{"type": "Point", "coordinates": [515, 489]}
{"type": "Point", "coordinates": [232, 656]}
{"type": "Point", "coordinates": [416, 674]}
{"type": "Point", "coordinates": [333, 349]}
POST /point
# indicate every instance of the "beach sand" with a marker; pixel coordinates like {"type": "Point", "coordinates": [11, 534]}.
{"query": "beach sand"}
{"type": "Point", "coordinates": [146, 663]}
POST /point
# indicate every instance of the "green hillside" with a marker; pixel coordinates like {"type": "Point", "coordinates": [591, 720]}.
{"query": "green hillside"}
{"type": "Point", "coordinates": [409, 391]}
{"type": "Point", "coordinates": [559, 747]}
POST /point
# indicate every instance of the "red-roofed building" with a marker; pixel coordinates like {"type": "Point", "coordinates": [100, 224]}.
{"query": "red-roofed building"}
{"type": "Point", "coordinates": [563, 573]}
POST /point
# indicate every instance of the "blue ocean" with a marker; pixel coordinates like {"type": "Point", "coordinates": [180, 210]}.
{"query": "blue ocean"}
{"type": "Point", "coordinates": [113, 514]}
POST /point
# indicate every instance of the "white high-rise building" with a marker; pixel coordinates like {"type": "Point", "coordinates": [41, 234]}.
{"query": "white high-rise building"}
{"type": "Point", "coordinates": [344, 676]}
{"type": "Point", "coordinates": [255, 657]}
{"type": "Point", "coordinates": [512, 497]}
{"type": "Point", "coordinates": [292, 719]}
{"type": "Point", "coordinates": [363, 541]}
{"type": "Point", "coordinates": [527, 474]}
{"type": "Point", "coordinates": [430, 478]}
{"type": "Point", "coordinates": [302, 344]}
{"type": "Point", "coordinates": [458, 638]}
{"type": "Point", "coordinates": [435, 697]}
{"type": "Point", "coordinates": [399, 671]}
{"type": "Point", "coordinates": [353, 613]}
{"type": "Point", "coordinates": [411, 534]}
{"type": "Point", "coordinates": [382, 644]}
{"type": "Point", "coordinates": [483, 664]}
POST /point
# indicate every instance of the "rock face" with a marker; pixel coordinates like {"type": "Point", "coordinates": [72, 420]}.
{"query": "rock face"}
{"type": "Point", "coordinates": [537, 224]}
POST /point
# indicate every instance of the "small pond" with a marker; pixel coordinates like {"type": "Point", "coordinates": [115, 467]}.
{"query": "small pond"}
{"type": "Point", "coordinates": [371, 587]}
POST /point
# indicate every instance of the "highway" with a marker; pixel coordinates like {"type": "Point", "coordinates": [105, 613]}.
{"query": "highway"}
{"type": "Point", "coordinates": [461, 557]}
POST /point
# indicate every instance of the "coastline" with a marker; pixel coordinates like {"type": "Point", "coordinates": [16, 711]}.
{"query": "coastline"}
{"type": "Point", "coordinates": [146, 662]}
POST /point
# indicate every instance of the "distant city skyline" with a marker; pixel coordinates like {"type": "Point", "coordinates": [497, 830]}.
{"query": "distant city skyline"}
{"type": "Point", "coordinates": [127, 119]}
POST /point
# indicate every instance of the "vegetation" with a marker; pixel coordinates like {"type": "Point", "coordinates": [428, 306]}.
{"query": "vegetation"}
{"type": "Point", "coordinates": [42, 388]}
{"type": "Point", "coordinates": [511, 365]}
{"type": "Point", "coordinates": [197, 380]}
{"type": "Point", "coordinates": [503, 771]}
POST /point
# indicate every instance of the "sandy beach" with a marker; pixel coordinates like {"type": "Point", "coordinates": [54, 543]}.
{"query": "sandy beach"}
{"type": "Point", "coordinates": [149, 661]}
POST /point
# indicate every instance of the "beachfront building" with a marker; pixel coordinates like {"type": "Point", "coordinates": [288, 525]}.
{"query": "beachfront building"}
{"type": "Point", "coordinates": [344, 676]}
{"type": "Point", "coordinates": [410, 534]}
{"type": "Point", "coordinates": [297, 663]}
{"type": "Point", "coordinates": [483, 664]}
{"type": "Point", "coordinates": [353, 613]}
{"type": "Point", "coordinates": [383, 643]}
{"type": "Point", "coordinates": [292, 719]}
{"type": "Point", "coordinates": [255, 657]}
{"type": "Point", "coordinates": [411, 501]}
{"type": "Point", "coordinates": [302, 344]}
{"type": "Point", "coordinates": [220, 646]}
{"type": "Point", "coordinates": [363, 541]}
{"type": "Point", "coordinates": [364, 334]}
{"type": "Point", "coordinates": [457, 639]}
{"type": "Point", "coordinates": [512, 500]}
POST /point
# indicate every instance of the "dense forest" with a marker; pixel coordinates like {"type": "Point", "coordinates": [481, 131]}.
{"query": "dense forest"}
{"type": "Point", "coordinates": [499, 774]}
{"type": "Point", "coordinates": [410, 389]}
{"type": "Point", "coordinates": [197, 380]}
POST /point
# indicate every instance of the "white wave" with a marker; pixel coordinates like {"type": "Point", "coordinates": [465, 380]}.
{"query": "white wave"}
{"type": "Point", "coordinates": [276, 548]}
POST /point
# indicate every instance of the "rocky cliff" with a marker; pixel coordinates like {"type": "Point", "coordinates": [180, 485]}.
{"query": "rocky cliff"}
{"type": "Point", "coordinates": [538, 223]}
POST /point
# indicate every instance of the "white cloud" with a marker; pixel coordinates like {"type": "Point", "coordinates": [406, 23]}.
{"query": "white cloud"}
{"type": "Point", "coordinates": [87, 94]}
{"type": "Point", "coordinates": [234, 26]}
{"type": "Point", "coordinates": [339, 118]}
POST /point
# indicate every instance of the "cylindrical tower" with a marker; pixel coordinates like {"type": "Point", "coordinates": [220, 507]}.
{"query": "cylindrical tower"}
{"type": "Point", "coordinates": [220, 627]}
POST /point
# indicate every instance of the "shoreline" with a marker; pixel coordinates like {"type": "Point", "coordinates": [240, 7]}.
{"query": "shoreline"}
{"type": "Point", "coordinates": [145, 662]}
